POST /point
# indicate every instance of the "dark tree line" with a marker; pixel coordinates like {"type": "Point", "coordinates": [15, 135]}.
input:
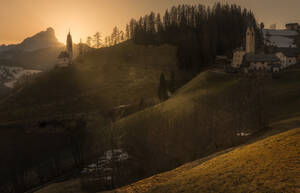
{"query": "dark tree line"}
{"type": "Point", "coordinates": [199, 32]}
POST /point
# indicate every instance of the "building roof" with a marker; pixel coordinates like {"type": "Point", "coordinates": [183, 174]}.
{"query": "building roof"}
{"type": "Point", "coordinates": [261, 58]}
{"type": "Point", "coordinates": [288, 24]}
{"type": "Point", "coordinates": [276, 65]}
{"type": "Point", "coordinates": [280, 32]}
{"type": "Point", "coordinates": [280, 38]}
{"type": "Point", "coordinates": [289, 52]}
{"type": "Point", "coordinates": [63, 54]}
{"type": "Point", "coordinates": [239, 49]}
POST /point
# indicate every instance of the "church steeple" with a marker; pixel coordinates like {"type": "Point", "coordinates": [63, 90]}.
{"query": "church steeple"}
{"type": "Point", "coordinates": [250, 39]}
{"type": "Point", "coordinates": [69, 45]}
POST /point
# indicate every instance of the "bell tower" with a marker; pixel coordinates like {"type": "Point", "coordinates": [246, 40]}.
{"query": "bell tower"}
{"type": "Point", "coordinates": [250, 40]}
{"type": "Point", "coordinates": [70, 46]}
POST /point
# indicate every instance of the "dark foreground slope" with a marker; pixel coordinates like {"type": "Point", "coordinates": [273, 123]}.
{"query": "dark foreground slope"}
{"type": "Point", "coordinates": [268, 165]}
{"type": "Point", "coordinates": [177, 131]}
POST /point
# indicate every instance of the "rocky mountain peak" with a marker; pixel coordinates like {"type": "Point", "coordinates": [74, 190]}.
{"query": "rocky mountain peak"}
{"type": "Point", "coordinates": [43, 39]}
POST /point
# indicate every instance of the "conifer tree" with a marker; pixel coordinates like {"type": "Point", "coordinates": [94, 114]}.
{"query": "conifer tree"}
{"type": "Point", "coordinates": [162, 90]}
{"type": "Point", "coordinates": [97, 40]}
{"type": "Point", "coordinates": [89, 41]}
{"type": "Point", "coordinates": [81, 49]}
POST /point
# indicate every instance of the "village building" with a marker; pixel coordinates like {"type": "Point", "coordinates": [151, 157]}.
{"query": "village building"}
{"type": "Point", "coordinates": [238, 57]}
{"type": "Point", "coordinates": [292, 26]}
{"type": "Point", "coordinates": [247, 60]}
{"type": "Point", "coordinates": [280, 38]}
{"type": "Point", "coordinates": [65, 58]}
{"type": "Point", "coordinates": [260, 62]}
{"type": "Point", "coordinates": [288, 56]}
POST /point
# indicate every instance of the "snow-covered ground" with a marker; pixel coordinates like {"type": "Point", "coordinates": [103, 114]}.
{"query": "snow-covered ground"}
{"type": "Point", "coordinates": [280, 38]}
{"type": "Point", "coordinates": [243, 134]}
{"type": "Point", "coordinates": [9, 75]}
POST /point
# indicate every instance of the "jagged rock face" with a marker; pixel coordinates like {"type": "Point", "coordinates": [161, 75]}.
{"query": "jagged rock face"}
{"type": "Point", "coordinates": [41, 40]}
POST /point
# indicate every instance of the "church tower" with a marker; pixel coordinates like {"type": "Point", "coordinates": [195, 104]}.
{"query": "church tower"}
{"type": "Point", "coordinates": [70, 47]}
{"type": "Point", "coordinates": [250, 40]}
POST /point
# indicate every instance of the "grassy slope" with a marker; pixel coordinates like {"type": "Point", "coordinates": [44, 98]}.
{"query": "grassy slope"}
{"type": "Point", "coordinates": [269, 165]}
{"type": "Point", "coordinates": [104, 79]}
{"type": "Point", "coordinates": [282, 97]}
{"type": "Point", "coordinates": [185, 99]}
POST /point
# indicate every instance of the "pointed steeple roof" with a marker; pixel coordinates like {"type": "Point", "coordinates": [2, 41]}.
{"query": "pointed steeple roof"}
{"type": "Point", "coordinates": [251, 24]}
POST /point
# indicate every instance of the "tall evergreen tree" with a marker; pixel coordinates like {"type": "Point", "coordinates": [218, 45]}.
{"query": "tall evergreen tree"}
{"type": "Point", "coordinates": [89, 41]}
{"type": "Point", "coordinates": [162, 90]}
{"type": "Point", "coordinates": [127, 32]}
{"type": "Point", "coordinates": [81, 48]}
{"type": "Point", "coordinates": [97, 40]}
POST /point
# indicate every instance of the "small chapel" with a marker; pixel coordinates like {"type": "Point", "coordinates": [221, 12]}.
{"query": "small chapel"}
{"type": "Point", "coordinates": [65, 58]}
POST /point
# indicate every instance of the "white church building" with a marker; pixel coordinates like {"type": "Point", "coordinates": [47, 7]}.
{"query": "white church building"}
{"type": "Point", "coordinates": [65, 58]}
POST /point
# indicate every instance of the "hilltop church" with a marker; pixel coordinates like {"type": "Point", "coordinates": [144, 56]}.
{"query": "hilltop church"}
{"type": "Point", "coordinates": [65, 58]}
{"type": "Point", "coordinates": [247, 60]}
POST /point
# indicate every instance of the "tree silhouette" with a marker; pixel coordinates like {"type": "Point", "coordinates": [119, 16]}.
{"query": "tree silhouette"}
{"type": "Point", "coordinates": [81, 48]}
{"type": "Point", "coordinates": [89, 41]}
{"type": "Point", "coordinates": [162, 90]}
{"type": "Point", "coordinates": [97, 40]}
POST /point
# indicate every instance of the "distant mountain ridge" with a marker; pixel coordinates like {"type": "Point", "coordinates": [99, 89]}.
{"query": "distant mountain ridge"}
{"type": "Point", "coordinates": [38, 52]}
{"type": "Point", "coordinates": [43, 39]}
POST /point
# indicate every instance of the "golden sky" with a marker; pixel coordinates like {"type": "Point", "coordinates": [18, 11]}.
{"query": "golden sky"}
{"type": "Point", "coordinates": [24, 18]}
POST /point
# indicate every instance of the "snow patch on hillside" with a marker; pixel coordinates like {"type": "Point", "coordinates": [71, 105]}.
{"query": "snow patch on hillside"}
{"type": "Point", "coordinates": [9, 75]}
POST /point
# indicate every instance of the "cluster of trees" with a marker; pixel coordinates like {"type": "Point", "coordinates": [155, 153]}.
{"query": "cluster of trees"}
{"type": "Point", "coordinates": [95, 41]}
{"type": "Point", "coordinates": [166, 87]}
{"type": "Point", "coordinates": [199, 32]}
{"type": "Point", "coordinates": [117, 36]}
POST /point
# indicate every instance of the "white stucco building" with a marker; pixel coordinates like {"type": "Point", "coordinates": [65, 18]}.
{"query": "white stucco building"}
{"type": "Point", "coordinates": [260, 62]}
{"type": "Point", "coordinates": [287, 56]}
{"type": "Point", "coordinates": [238, 56]}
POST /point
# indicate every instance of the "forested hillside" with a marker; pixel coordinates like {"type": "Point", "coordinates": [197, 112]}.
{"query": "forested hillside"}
{"type": "Point", "coordinates": [199, 32]}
